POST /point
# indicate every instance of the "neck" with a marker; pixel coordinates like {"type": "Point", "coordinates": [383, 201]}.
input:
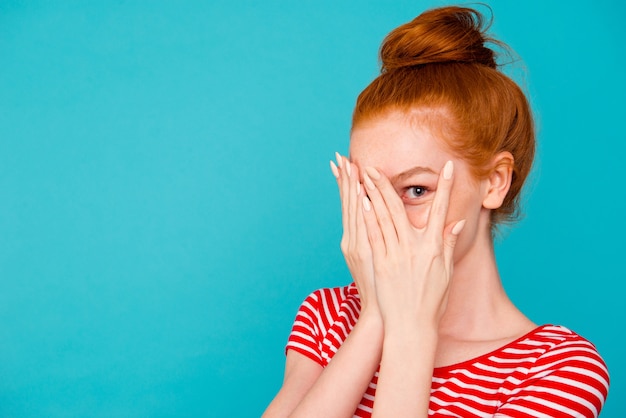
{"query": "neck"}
{"type": "Point", "coordinates": [478, 307]}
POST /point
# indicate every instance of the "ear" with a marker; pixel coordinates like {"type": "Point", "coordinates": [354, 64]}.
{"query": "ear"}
{"type": "Point", "coordinates": [499, 180]}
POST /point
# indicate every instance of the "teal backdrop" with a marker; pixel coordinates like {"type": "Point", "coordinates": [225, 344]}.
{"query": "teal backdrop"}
{"type": "Point", "coordinates": [166, 201]}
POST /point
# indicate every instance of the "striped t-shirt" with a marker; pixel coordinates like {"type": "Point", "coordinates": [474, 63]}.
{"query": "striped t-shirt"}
{"type": "Point", "coordinates": [550, 372]}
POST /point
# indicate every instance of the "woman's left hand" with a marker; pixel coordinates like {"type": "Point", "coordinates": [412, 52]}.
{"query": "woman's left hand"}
{"type": "Point", "coordinates": [412, 266]}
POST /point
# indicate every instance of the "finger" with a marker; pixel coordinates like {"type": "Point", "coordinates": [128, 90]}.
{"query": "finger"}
{"type": "Point", "coordinates": [393, 202]}
{"type": "Point", "coordinates": [374, 234]}
{"type": "Point", "coordinates": [353, 201]}
{"type": "Point", "coordinates": [344, 187]}
{"type": "Point", "coordinates": [450, 238]}
{"type": "Point", "coordinates": [439, 209]}
{"type": "Point", "coordinates": [361, 229]}
{"type": "Point", "coordinates": [383, 216]}
{"type": "Point", "coordinates": [334, 169]}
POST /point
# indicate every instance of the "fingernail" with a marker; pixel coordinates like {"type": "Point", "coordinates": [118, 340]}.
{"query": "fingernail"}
{"type": "Point", "coordinates": [366, 204]}
{"type": "Point", "coordinates": [358, 188]}
{"type": "Point", "coordinates": [334, 169]}
{"type": "Point", "coordinates": [456, 230]}
{"type": "Point", "coordinates": [368, 182]}
{"type": "Point", "coordinates": [348, 167]}
{"type": "Point", "coordinates": [372, 172]}
{"type": "Point", "coordinates": [447, 170]}
{"type": "Point", "coordinates": [338, 157]}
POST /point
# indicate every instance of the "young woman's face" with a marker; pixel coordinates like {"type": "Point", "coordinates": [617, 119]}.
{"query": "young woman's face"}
{"type": "Point", "coordinates": [411, 156]}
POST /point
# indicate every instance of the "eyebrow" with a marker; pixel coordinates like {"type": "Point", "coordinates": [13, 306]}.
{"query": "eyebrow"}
{"type": "Point", "coordinates": [411, 172]}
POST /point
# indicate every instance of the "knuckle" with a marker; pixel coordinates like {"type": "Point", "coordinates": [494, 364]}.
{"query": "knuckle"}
{"type": "Point", "coordinates": [384, 219]}
{"type": "Point", "coordinates": [372, 234]}
{"type": "Point", "coordinates": [362, 254]}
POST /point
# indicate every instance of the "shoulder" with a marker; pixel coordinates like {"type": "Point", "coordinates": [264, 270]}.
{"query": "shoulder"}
{"type": "Point", "coordinates": [557, 344]}
{"type": "Point", "coordinates": [566, 373]}
{"type": "Point", "coordinates": [323, 321]}
{"type": "Point", "coordinates": [329, 300]}
{"type": "Point", "coordinates": [555, 333]}
{"type": "Point", "coordinates": [340, 293]}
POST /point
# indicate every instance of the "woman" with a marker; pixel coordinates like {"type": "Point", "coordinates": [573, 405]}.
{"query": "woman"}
{"type": "Point", "coordinates": [440, 147]}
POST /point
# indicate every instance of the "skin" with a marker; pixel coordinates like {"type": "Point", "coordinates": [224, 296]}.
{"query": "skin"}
{"type": "Point", "coordinates": [417, 241]}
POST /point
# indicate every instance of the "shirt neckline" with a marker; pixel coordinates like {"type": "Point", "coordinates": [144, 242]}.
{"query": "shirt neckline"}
{"type": "Point", "coordinates": [482, 357]}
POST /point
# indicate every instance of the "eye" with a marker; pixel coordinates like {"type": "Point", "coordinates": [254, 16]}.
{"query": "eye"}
{"type": "Point", "coordinates": [415, 192]}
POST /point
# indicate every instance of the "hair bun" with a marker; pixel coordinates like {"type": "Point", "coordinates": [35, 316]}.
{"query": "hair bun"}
{"type": "Point", "coordinates": [448, 34]}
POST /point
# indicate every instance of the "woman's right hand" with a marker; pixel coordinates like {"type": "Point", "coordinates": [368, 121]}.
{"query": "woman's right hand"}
{"type": "Point", "coordinates": [355, 244]}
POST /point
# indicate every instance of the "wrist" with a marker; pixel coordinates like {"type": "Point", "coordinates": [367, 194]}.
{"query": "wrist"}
{"type": "Point", "coordinates": [370, 317]}
{"type": "Point", "coordinates": [411, 342]}
{"type": "Point", "coordinates": [408, 326]}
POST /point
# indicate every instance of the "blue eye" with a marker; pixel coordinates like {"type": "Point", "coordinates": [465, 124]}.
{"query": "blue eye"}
{"type": "Point", "coordinates": [416, 191]}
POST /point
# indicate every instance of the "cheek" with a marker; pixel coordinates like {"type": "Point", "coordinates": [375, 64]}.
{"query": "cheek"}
{"type": "Point", "coordinates": [418, 215]}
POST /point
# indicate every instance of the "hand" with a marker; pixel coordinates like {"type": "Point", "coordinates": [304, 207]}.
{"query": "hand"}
{"type": "Point", "coordinates": [412, 266]}
{"type": "Point", "coordinates": [354, 242]}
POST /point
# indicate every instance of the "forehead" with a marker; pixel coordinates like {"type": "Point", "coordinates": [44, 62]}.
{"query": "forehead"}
{"type": "Point", "coordinates": [397, 141]}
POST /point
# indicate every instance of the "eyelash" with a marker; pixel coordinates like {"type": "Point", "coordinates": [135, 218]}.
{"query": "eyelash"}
{"type": "Point", "coordinates": [422, 191]}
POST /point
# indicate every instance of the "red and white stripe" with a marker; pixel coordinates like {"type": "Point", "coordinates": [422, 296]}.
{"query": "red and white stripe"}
{"type": "Point", "coordinates": [550, 372]}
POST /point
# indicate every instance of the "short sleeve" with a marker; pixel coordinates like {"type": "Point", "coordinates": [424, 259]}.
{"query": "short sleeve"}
{"type": "Point", "coordinates": [569, 380]}
{"type": "Point", "coordinates": [323, 322]}
{"type": "Point", "coordinates": [305, 337]}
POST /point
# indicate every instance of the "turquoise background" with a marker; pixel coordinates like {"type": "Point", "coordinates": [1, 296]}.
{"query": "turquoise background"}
{"type": "Point", "coordinates": [166, 202]}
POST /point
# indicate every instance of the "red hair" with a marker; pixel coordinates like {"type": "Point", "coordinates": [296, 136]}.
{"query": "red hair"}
{"type": "Point", "coordinates": [439, 62]}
